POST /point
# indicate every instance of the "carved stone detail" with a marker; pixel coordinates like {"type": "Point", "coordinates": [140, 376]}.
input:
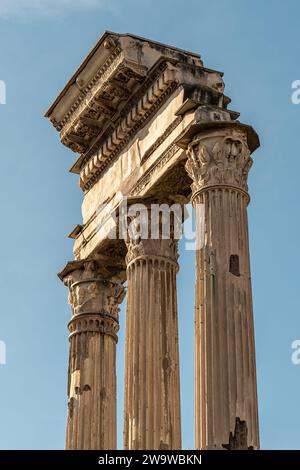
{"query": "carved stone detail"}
{"type": "Point", "coordinates": [151, 123]}
{"type": "Point", "coordinates": [225, 379]}
{"type": "Point", "coordinates": [89, 293]}
{"type": "Point", "coordinates": [152, 248]}
{"type": "Point", "coordinates": [147, 247]}
{"type": "Point", "coordinates": [92, 376]}
{"type": "Point", "coordinates": [111, 84]}
{"type": "Point", "coordinates": [128, 126]}
{"type": "Point", "coordinates": [166, 156]}
{"type": "Point", "coordinates": [219, 158]}
{"type": "Point", "coordinates": [152, 357]}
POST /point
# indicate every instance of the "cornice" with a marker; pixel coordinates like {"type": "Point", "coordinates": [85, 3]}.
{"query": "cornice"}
{"type": "Point", "coordinates": [87, 106]}
{"type": "Point", "coordinates": [119, 87]}
{"type": "Point", "coordinates": [100, 103]}
{"type": "Point", "coordinates": [136, 117]}
{"type": "Point", "coordinates": [110, 63]}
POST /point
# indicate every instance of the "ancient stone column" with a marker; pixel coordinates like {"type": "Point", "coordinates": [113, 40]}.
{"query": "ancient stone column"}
{"type": "Point", "coordinates": [152, 389]}
{"type": "Point", "coordinates": [92, 359]}
{"type": "Point", "coordinates": [225, 376]}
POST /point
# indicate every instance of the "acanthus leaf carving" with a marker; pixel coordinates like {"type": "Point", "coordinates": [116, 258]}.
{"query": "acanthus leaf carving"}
{"type": "Point", "coordinates": [90, 293]}
{"type": "Point", "coordinates": [219, 158]}
{"type": "Point", "coordinates": [141, 242]}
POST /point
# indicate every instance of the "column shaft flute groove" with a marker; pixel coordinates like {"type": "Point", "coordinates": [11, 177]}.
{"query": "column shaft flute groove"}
{"type": "Point", "coordinates": [152, 395]}
{"type": "Point", "coordinates": [226, 411]}
{"type": "Point", "coordinates": [91, 422]}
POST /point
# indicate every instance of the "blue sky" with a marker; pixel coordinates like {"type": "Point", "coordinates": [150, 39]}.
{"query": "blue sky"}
{"type": "Point", "coordinates": [257, 45]}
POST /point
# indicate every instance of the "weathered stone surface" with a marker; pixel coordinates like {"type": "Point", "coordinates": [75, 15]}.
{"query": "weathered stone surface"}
{"type": "Point", "coordinates": [150, 123]}
{"type": "Point", "coordinates": [238, 440]}
{"type": "Point", "coordinates": [92, 360]}
{"type": "Point", "coordinates": [152, 388]}
{"type": "Point", "coordinates": [218, 163]}
{"type": "Point", "coordinates": [131, 149]}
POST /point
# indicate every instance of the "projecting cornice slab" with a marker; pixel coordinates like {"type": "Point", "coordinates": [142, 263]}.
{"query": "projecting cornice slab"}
{"type": "Point", "coordinates": [103, 84]}
{"type": "Point", "coordinates": [120, 85]}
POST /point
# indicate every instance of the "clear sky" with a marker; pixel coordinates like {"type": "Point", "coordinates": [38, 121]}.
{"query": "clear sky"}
{"type": "Point", "coordinates": [257, 45]}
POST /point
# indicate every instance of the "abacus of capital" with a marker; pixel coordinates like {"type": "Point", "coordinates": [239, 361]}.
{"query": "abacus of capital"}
{"type": "Point", "coordinates": [152, 124]}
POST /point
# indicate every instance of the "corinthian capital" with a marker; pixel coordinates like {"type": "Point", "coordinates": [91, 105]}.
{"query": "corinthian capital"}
{"type": "Point", "coordinates": [90, 293]}
{"type": "Point", "coordinates": [153, 230]}
{"type": "Point", "coordinates": [219, 157]}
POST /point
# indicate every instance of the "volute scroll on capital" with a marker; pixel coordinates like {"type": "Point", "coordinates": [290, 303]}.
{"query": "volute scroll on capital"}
{"type": "Point", "coordinates": [219, 157]}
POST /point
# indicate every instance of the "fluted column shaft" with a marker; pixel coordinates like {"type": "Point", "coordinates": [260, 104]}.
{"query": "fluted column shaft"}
{"type": "Point", "coordinates": [91, 422]}
{"type": "Point", "coordinates": [226, 412]}
{"type": "Point", "coordinates": [152, 389]}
